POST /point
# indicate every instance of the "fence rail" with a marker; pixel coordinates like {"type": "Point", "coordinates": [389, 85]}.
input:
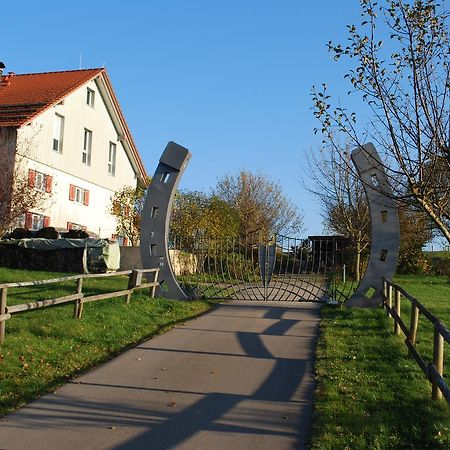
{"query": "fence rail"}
{"type": "Point", "coordinates": [79, 298]}
{"type": "Point", "coordinates": [392, 296]}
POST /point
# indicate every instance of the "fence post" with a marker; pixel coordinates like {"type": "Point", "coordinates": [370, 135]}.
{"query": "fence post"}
{"type": "Point", "coordinates": [413, 324]}
{"type": "Point", "coordinates": [385, 295]}
{"type": "Point", "coordinates": [398, 297]}
{"type": "Point", "coordinates": [3, 293]}
{"type": "Point", "coordinates": [155, 280]}
{"type": "Point", "coordinates": [134, 279]}
{"type": "Point", "coordinates": [438, 361]}
{"type": "Point", "coordinates": [78, 310]}
{"type": "Point", "coordinates": [389, 297]}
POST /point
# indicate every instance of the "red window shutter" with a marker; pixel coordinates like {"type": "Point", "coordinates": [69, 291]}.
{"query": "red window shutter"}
{"type": "Point", "coordinates": [46, 221]}
{"type": "Point", "coordinates": [69, 225]}
{"type": "Point", "coordinates": [28, 220]}
{"type": "Point", "coordinates": [72, 193]}
{"type": "Point", "coordinates": [86, 197]}
{"type": "Point", "coordinates": [48, 183]}
{"type": "Point", "coordinates": [125, 241]}
{"type": "Point", "coordinates": [31, 178]}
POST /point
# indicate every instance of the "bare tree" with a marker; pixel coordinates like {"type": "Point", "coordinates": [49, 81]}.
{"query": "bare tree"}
{"type": "Point", "coordinates": [16, 194]}
{"type": "Point", "coordinates": [263, 209]}
{"type": "Point", "coordinates": [345, 208]}
{"type": "Point", "coordinates": [405, 81]}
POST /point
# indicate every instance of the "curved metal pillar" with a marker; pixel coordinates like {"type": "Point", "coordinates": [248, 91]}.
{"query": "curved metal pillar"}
{"type": "Point", "coordinates": [385, 228]}
{"type": "Point", "coordinates": [156, 218]}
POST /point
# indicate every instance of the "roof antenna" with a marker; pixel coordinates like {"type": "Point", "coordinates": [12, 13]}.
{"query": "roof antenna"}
{"type": "Point", "coordinates": [2, 66]}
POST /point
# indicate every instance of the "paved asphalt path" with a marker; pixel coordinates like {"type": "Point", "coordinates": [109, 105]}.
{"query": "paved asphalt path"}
{"type": "Point", "coordinates": [238, 377]}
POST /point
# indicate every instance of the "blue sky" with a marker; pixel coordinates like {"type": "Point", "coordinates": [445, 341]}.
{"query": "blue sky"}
{"type": "Point", "coordinates": [230, 80]}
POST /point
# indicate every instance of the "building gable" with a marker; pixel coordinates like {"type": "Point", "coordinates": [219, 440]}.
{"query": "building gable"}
{"type": "Point", "coordinates": [23, 98]}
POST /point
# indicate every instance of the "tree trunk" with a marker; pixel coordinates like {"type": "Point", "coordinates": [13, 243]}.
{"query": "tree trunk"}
{"type": "Point", "coordinates": [435, 217]}
{"type": "Point", "coordinates": [358, 258]}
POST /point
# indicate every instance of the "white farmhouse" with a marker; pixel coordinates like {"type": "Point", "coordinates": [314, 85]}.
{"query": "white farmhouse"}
{"type": "Point", "coordinates": [74, 143]}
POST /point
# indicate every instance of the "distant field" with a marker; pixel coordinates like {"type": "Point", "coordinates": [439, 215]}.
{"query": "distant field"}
{"type": "Point", "coordinates": [45, 348]}
{"type": "Point", "coordinates": [370, 394]}
{"type": "Point", "coordinates": [443, 255]}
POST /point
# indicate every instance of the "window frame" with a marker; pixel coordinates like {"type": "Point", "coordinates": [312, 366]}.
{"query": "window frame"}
{"type": "Point", "coordinates": [90, 97]}
{"type": "Point", "coordinates": [78, 195]}
{"type": "Point", "coordinates": [112, 153]}
{"type": "Point", "coordinates": [40, 182]}
{"type": "Point", "coordinates": [75, 226]}
{"type": "Point", "coordinates": [58, 133]}
{"type": "Point", "coordinates": [87, 147]}
{"type": "Point", "coordinates": [37, 221]}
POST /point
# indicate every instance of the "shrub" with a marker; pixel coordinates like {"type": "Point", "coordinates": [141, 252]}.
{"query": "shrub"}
{"type": "Point", "coordinates": [76, 234]}
{"type": "Point", "coordinates": [20, 233]}
{"type": "Point", "coordinates": [47, 233]}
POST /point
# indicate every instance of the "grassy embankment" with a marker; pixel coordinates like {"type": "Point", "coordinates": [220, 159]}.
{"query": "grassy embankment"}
{"type": "Point", "coordinates": [45, 348]}
{"type": "Point", "coordinates": [370, 394]}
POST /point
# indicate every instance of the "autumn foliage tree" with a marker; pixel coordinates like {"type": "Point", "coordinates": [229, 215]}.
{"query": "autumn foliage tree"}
{"type": "Point", "coordinates": [196, 215]}
{"type": "Point", "coordinates": [399, 62]}
{"type": "Point", "coordinates": [127, 205]}
{"type": "Point", "coordinates": [261, 205]}
{"type": "Point", "coordinates": [244, 206]}
{"type": "Point", "coordinates": [415, 232]}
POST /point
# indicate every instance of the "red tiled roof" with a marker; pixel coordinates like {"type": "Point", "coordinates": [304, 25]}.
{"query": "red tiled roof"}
{"type": "Point", "coordinates": [22, 97]}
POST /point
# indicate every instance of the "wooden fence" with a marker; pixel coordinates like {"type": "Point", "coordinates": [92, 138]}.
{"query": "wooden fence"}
{"type": "Point", "coordinates": [392, 296]}
{"type": "Point", "coordinates": [78, 298]}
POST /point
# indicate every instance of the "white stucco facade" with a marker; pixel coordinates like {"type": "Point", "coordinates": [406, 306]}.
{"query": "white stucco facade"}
{"type": "Point", "coordinates": [79, 185]}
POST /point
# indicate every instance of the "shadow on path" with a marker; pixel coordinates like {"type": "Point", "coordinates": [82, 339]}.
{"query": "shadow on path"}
{"type": "Point", "coordinates": [262, 396]}
{"type": "Point", "coordinates": [280, 386]}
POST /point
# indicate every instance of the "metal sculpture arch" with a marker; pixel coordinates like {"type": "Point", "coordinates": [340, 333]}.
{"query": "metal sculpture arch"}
{"type": "Point", "coordinates": [267, 267]}
{"type": "Point", "coordinates": [156, 217]}
{"type": "Point", "coordinates": [384, 225]}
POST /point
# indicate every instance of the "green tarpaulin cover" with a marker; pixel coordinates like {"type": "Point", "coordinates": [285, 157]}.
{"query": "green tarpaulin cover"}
{"type": "Point", "coordinates": [97, 249]}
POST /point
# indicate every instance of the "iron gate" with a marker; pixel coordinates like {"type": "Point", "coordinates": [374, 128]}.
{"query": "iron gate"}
{"type": "Point", "coordinates": [278, 268]}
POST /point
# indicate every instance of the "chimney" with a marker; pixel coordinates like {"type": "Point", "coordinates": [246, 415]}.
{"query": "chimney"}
{"type": "Point", "coordinates": [2, 66]}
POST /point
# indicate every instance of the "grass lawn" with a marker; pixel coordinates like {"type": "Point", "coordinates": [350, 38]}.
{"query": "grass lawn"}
{"type": "Point", "coordinates": [370, 394]}
{"type": "Point", "coordinates": [45, 348]}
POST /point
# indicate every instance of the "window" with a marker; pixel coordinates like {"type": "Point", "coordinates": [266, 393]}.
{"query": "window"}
{"type": "Point", "coordinates": [37, 221]}
{"type": "Point", "coordinates": [58, 130]}
{"type": "Point", "coordinates": [34, 221]}
{"type": "Point", "coordinates": [78, 195]}
{"type": "Point", "coordinates": [87, 147]}
{"type": "Point", "coordinates": [112, 159]}
{"type": "Point", "coordinates": [40, 181]}
{"type": "Point", "coordinates": [90, 96]}
{"type": "Point", "coordinates": [75, 226]}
